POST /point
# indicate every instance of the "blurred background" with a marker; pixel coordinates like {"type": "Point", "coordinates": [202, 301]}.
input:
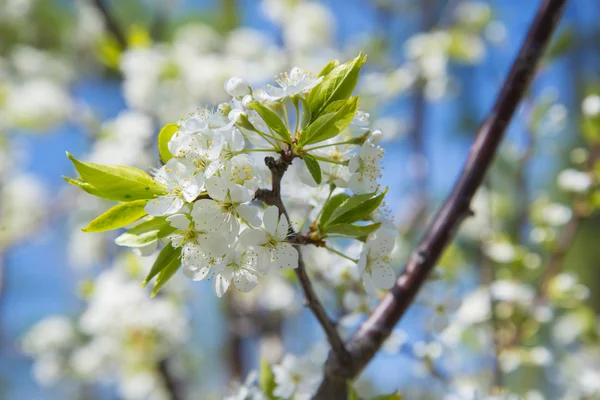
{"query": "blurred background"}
{"type": "Point", "coordinates": [99, 79]}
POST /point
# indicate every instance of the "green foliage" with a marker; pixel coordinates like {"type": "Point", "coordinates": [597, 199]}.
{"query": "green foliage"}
{"type": "Point", "coordinates": [87, 187]}
{"type": "Point", "coordinates": [356, 208]}
{"type": "Point", "coordinates": [266, 380]}
{"type": "Point", "coordinates": [305, 121]}
{"type": "Point", "coordinates": [330, 66]}
{"type": "Point", "coordinates": [392, 396]}
{"type": "Point", "coordinates": [165, 135]}
{"type": "Point", "coordinates": [336, 117]}
{"type": "Point", "coordinates": [272, 120]}
{"type": "Point", "coordinates": [562, 43]}
{"type": "Point", "coordinates": [165, 265]}
{"type": "Point", "coordinates": [172, 265]}
{"type": "Point", "coordinates": [145, 233]}
{"type": "Point", "coordinates": [338, 84]}
{"type": "Point", "coordinates": [352, 395]}
{"type": "Point", "coordinates": [330, 206]}
{"type": "Point", "coordinates": [117, 217]}
{"type": "Point", "coordinates": [116, 182]}
{"type": "Point", "coordinates": [352, 230]}
{"type": "Point", "coordinates": [313, 167]}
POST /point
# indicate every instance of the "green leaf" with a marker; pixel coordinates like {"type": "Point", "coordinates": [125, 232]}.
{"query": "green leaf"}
{"type": "Point", "coordinates": [266, 379]}
{"type": "Point", "coordinates": [560, 45]}
{"type": "Point", "coordinates": [313, 167]}
{"type": "Point", "coordinates": [338, 84]}
{"type": "Point", "coordinates": [305, 121]}
{"type": "Point", "coordinates": [351, 230]}
{"type": "Point", "coordinates": [117, 217]}
{"type": "Point", "coordinates": [167, 271]}
{"type": "Point", "coordinates": [272, 120]}
{"type": "Point", "coordinates": [392, 396]}
{"type": "Point", "coordinates": [85, 186]}
{"type": "Point", "coordinates": [357, 207]}
{"type": "Point", "coordinates": [330, 124]}
{"type": "Point", "coordinates": [327, 68]}
{"type": "Point", "coordinates": [165, 135]}
{"type": "Point", "coordinates": [145, 233]}
{"type": "Point", "coordinates": [329, 207]}
{"type": "Point", "coordinates": [166, 255]}
{"type": "Point", "coordinates": [352, 395]}
{"type": "Point", "coordinates": [118, 182]}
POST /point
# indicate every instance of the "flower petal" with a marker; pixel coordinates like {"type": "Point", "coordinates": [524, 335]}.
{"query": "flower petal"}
{"type": "Point", "coordinates": [179, 221]}
{"type": "Point", "coordinates": [253, 237]}
{"type": "Point", "coordinates": [163, 205]}
{"type": "Point", "coordinates": [285, 256]}
{"type": "Point", "coordinates": [244, 279]}
{"type": "Point", "coordinates": [249, 214]}
{"type": "Point", "coordinates": [270, 218]}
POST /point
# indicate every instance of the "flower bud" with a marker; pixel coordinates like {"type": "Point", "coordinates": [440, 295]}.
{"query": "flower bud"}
{"type": "Point", "coordinates": [224, 108]}
{"type": "Point", "coordinates": [247, 100]}
{"type": "Point", "coordinates": [237, 87]}
{"type": "Point", "coordinates": [241, 120]}
{"type": "Point", "coordinates": [376, 136]}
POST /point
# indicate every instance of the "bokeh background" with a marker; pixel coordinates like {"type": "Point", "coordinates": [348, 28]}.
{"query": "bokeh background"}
{"type": "Point", "coordinates": [71, 81]}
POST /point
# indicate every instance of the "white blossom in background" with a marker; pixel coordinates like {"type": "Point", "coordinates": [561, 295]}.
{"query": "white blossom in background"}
{"type": "Point", "coordinates": [572, 180]}
{"type": "Point", "coordinates": [591, 105]}
{"type": "Point", "coordinates": [296, 377]}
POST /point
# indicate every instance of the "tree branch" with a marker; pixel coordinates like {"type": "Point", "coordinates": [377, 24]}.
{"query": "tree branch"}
{"type": "Point", "coordinates": [273, 197]}
{"type": "Point", "coordinates": [111, 23]}
{"type": "Point", "coordinates": [172, 385]}
{"type": "Point", "coordinates": [372, 333]}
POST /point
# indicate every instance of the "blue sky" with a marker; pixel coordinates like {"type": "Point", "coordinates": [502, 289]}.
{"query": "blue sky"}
{"type": "Point", "coordinates": [39, 281]}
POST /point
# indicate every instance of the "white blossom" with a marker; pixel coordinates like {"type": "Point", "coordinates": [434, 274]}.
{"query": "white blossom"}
{"type": "Point", "coordinates": [365, 169]}
{"type": "Point", "coordinates": [374, 263]}
{"type": "Point", "coordinates": [296, 82]}
{"type": "Point", "coordinates": [270, 243]}
{"type": "Point", "coordinates": [182, 186]}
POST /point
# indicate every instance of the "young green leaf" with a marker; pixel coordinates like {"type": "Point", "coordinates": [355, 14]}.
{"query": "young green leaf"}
{"type": "Point", "coordinates": [351, 230]}
{"type": "Point", "coordinates": [266, 379]}
{"type": "Point", "coordinates": [330, 124]}
{"type": "Point", "coordinates": [313, 167]}
{"type": "Point", "coordinates": [332, 204]}
{"type": "Point", "coordinates": [145, 233]}
{"type": "Point", "coordinates": [352, 395]}
{"type": "Point", "coordinates": [357, 207]}
{"type": "Point", "coordinates": [327, 68]}
{"type": "Point", "coordinates": [117, 217]}
{"type": "Point", "coordinates": [272, 120]}
{"type": "Point", "coordinates": [118, 182]}
{"type": "Point", "coordinates": [86, 186]}
{"type": "Point", "coordinates": [338, 84]}
{"type": "Point", "coordinates": [167, 271]}
{"type": "Point", "coordinates": [166, 255]}
{"type": "Point", "coordinates": [165, 135]}
{"type": "Point", "coordinates": [393, 396]}
{"type": "Point", "coordinates": [305, 121]}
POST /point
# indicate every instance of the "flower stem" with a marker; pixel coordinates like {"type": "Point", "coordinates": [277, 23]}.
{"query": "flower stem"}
{"type": "Point", "coordinates": [350, 141]}
{"type": "Point", "coordinates": [331, 249]}
{"type": "Point", "coordinates": [329, 160]}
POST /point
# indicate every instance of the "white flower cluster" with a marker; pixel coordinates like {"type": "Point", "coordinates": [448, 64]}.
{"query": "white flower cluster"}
{"type": "Point", "coordinates": [211, 182]}
{"type": "Point", "coordinates": [121, 337]}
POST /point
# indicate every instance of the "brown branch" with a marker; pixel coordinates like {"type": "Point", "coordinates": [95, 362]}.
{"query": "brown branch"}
{"type": "Point", "coordinates": [111, 23]}
{"type": "Point", "coordinates": [273, 197]}
{"type": "Point", "coordinates": [372, 333]}
{"type": "Point", "coordinates": [172, 385]}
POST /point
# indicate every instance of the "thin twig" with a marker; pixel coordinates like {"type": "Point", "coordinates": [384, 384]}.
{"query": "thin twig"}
{"type": "Point", "coordinates": [372, 333]}
{"type": "Point", "coordinates": [111, 23]}
{"type": "Point", "coordinates": [172, 386]}
{"type": "Point", "coordinates": [273, 197]}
